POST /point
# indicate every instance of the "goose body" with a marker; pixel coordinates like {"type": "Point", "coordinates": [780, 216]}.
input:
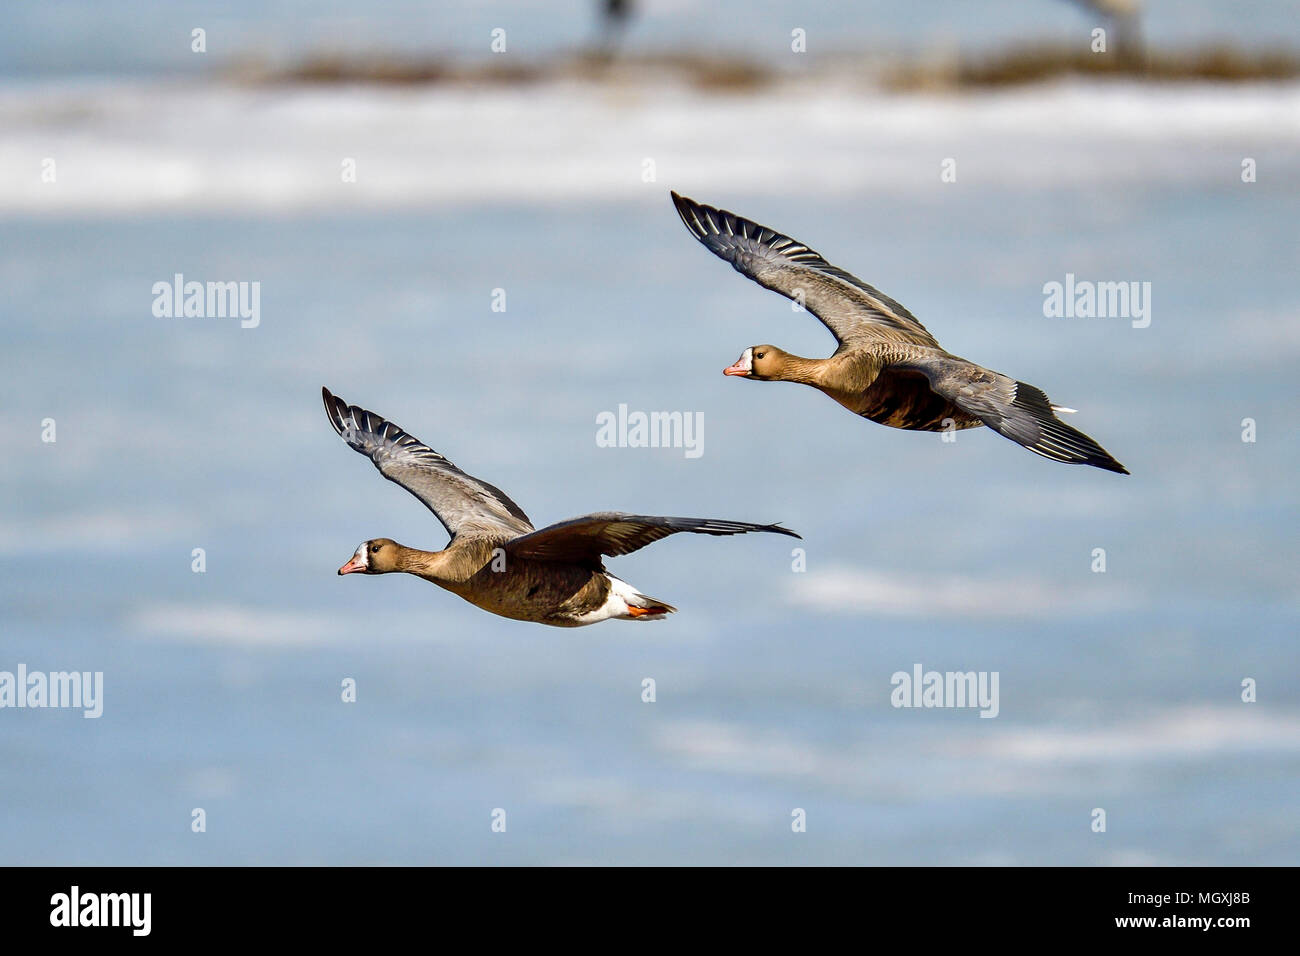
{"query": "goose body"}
{"type": "Point", "coordinates": [496, 560]}
{"type": "Point", "coordinates": [888, 368]}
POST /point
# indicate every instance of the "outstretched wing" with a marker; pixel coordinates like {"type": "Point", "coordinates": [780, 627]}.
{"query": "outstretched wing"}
{"type": "Point", "coordinates": [584, 540]}
{"type": "Point", "coordinates": [1015, 410]}
{"type": "Point", "coordinates": [464, 504]}
{"type": "Point", "coordinates": [846, 305]}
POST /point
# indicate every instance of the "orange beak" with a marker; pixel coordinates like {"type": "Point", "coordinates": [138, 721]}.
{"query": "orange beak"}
{"type": "Point", "coordinates": [352, 566]}
{"type": "Point", "coordinates": [737, 369]}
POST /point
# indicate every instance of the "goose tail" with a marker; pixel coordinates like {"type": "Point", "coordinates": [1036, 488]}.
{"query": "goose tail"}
{"type": "Point", "coordinates": [628, 603]}
{"type": "Point", "coordinates": [645, 608]}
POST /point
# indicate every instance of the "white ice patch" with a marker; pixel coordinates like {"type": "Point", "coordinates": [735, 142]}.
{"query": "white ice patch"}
{"type": "Point", "coordinates": [1061, 134]}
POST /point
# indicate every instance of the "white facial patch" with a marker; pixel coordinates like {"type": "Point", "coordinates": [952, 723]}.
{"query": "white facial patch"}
{"type": "Point", "coordinates": [746, 360]}
{"type": "Point", "coordinates": [361, 557]}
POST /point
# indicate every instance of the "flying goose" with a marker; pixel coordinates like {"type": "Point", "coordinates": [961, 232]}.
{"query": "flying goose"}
{"type": "Point", "coordinates": [887, 368]}
{"type": "Point", "coordinates": [496, 560]}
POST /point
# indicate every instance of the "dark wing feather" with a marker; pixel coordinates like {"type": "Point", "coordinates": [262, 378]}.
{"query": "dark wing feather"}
{"type": "Point", "coordinates": [584, 540]}
{"type": "Point", "coordinates": [465, 505]}
{"type": "Point", "coordinates": [1015, 410]}
{"type": "Point", "coordinates": [851, 309]}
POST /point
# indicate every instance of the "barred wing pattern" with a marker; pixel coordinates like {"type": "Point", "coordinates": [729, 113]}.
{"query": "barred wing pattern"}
{"type": "Point", "coordinates": [465, 505]}
{"type": "Point", "coordinates": [1015, 410]}
{"type": "Point", "coordinates": [613, 533]}
{"type": "Point", "coordinates": [851, 309]}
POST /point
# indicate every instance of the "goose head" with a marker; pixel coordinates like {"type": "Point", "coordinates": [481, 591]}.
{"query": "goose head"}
{"type": "Point", "coordinates": [760, 362]}
{"type": "Point", "coordinates": [376, 556]}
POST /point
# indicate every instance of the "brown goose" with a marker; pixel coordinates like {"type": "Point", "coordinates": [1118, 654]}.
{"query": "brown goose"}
{"type": "Point", "coordinates": [495, 559]}
{"type": "Point", "coordinates": [887, 368]}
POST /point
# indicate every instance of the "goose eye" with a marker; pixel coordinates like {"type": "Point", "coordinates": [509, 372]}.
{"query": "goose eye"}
{"type": "Point", "coordinates": [759, 354]}
{"type": "Point", "coordinates": [374, 548]}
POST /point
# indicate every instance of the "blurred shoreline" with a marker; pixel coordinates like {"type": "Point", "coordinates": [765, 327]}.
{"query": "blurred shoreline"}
{"type": "Point", "coordinates": [940, 68]}
{"type": "Point", "coordinates": [287, 147]}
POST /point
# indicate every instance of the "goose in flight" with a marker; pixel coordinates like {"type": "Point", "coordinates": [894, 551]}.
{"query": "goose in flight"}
{"type": "Point", "coordinates": [887, 368]}
{"type": "Point", "coordinates": [496, 560]}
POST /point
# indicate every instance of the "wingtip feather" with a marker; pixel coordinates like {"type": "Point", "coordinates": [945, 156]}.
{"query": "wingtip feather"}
{"type": "Point", "coordinates": [332, 404]}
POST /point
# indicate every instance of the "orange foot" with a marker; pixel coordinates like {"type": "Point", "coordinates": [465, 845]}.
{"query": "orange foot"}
{"type": "Point", "coordinates": [640, 611]}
